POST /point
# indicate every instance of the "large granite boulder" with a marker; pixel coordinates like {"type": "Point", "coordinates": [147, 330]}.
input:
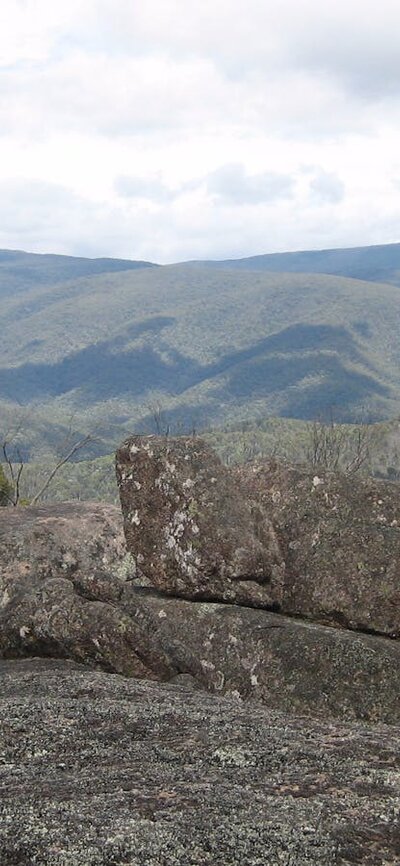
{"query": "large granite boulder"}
{"type": "Point", "coordinates": [190, 531]}
{"type": "Point", "coordinates": [98, 770]}
{"type": "Point", "coordinates": [322, 546]}
{"type": "Point", "coordinates": [340, 539]}
{"type": "Point", "coordinates": [79, 602]}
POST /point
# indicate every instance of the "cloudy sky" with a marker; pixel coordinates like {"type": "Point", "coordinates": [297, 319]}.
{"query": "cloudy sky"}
{"type": "Point", "coordinates": [180, 129]}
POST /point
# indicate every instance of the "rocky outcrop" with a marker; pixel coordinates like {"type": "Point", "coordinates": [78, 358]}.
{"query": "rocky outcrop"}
{"type": "Point", "coordinates": [234, 736]}
{"type": "Point", "coordinates": [340, 539]}
{"type": "Point", "coordinates": [321, 546]}
{"type": "Point", "coordinates": [98, 770]}
{"type": "Point", "coordinates": [189, 530]}
{"type": "Point", "coordinates": [62, 572]}
{"type": "Point", "coordinates": [80, 539]}
{"type": "Point", "coordinates": [67, 590]}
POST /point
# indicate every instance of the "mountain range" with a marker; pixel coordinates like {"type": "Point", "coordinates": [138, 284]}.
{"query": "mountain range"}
{"type": "Point", "coordinates": [379, 263]}
{"type": "Point", "coordinates": [112, 345]}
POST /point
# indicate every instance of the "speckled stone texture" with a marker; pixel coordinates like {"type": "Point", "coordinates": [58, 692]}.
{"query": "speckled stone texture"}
{"type": "Point", "coordinates": [287, 664]}
{"type": "Point", "coordinates": [340, 539]}
{"type": "Point", "coordinates": [62, 571]}
{"type": "Point", "coordinates": [98, 770]}
{"type": "Point", "coordinates": [188, 528]}
{"type": "Point", "coordinates": [66, 591]}
{"type": "Point", "coordinates": [321, 546]}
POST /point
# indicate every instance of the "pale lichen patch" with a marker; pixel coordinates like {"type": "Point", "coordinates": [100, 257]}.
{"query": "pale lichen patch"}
{"type": "Point", "coordinates": [219, 681]}
{"type": "Point", "coordinates": [317, 481]}
{"type": "Point", "coordinates": [233, 756]}
{"type": "Point", "coordinates": [126, 568]}
{"type": "Point", "coordinates": [5, 598]}
{"type": "Point", "coordinates": [207, 665]}
{"type": "Point", "coordinates": [188, 484]}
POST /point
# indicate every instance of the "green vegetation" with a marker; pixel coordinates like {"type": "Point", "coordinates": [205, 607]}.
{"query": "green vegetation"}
{"type": "Point", "coordinates": [87, 479]}
{"type": "Point", "coordinates": [279, 438]}
{"type": "Point", "coordinates": [101, 342]}
{"type": "Point", "coordinates": [21, 271]}
{"type": "Point", "coordinates": [379, 263]}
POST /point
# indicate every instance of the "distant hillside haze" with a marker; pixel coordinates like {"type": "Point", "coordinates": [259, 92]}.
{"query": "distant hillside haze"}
{"type": "Point", "coordinates": [117, 345]}
{"type": "Point", "coordinates": [20, 270]}
{"type": "Point", "coordinates": [375, 263]}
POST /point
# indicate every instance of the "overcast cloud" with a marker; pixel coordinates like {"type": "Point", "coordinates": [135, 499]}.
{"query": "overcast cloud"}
{"type": "Point", "coordinates": [173, 129]}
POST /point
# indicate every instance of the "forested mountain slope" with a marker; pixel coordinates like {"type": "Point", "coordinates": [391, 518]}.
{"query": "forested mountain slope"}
{"type": "Point", "coordinates": [206, 345]}
{"type": "Point", "coordinates": [20, 271]}
{"type": "Point", "coordinates": [379, 263]}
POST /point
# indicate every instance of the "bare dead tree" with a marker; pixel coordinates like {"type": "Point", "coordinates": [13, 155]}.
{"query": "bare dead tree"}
{"type": "Point", "coordinates": [361, 443]}
{"type": "Point", "coordinates": [14, 464]}
{"type": "Point", "coordinates": [15, 469]}
{"type": "Point", "coordinates": [76, 447]}
{"type": "Point", "coordinates": [338, 447]}
{"type": "Point", "coordinates": [157, 413]}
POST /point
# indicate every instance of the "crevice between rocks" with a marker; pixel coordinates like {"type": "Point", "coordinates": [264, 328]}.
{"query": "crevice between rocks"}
{"type": "Point", "coordinates": [334, 619]}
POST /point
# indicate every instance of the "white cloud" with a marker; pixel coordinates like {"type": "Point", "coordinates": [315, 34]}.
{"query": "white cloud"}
{"type": "Point", "coordinates": [31, 30]}
{"type": "Point", "coordinates": [327, 187]}
{"type": "Point", "coordinates": [231, 184]}
{"type": "Point", "coordinates": [150, 188]}
{"type": "Point", "coordinates": [176, 129]}
{"type": "Point", "coordinates": [107, 95]}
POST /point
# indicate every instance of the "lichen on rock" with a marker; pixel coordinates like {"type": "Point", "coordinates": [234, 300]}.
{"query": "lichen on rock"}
{"type": "Point", "coordinates": [196, 536]}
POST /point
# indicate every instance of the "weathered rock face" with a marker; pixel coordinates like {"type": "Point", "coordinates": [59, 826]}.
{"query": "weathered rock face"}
{"type": "Point", "coordinates": [77, 603]}
{"type": "Point", "coordinates": [62, 571]}
{"type": "Point", "coordinates": [340, 538]}
{"type": "Point", "coordinates": [80, 539]}
{"type": "Point", "coordinates": [188, 528]}
{"type": "Point", "coordinates": [98, 770]}
{"type": "Point", "coordinates": [324, 547]}
{"type": "Point", "coordinates": [286, 664]}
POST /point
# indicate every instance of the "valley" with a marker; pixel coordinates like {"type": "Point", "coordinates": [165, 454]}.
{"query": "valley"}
{"type": "Point", "coordinates": [102, 343]}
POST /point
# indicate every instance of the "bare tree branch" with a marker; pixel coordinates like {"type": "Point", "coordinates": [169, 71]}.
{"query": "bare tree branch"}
{"type": "Point", "coordinates": [76, 447]}
{"type": "Point", "coordinates": [338, 447]}
{"type": "Point", "coordinates": [15, 475]}
{"type": "Point", "coordinates": [161, 425]}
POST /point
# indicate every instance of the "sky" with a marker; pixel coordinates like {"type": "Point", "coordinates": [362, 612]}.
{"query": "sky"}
{"type": "Point", "coordinates": [170, 130]}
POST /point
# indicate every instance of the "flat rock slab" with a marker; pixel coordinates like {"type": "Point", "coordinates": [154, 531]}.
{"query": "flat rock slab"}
{"type": "Point", "coordinates": [286, 664]}
{"type": "Point", "coordinates": [340, 539]}
{"type": "Point", "coordinates": [98, 770]}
